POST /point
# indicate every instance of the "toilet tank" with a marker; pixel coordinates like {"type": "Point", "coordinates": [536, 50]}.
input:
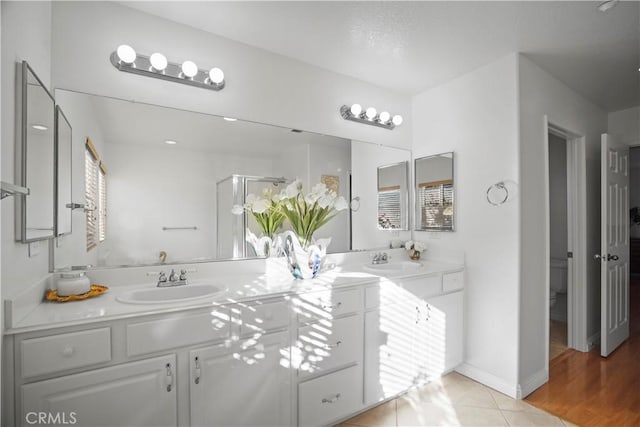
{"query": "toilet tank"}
{"type": "Point", "coordinates": [558, 275]}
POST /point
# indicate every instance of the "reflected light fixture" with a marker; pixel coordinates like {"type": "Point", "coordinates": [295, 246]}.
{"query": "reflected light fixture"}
{"type": "Point", "coordinates": [607, 5]}
{"type": "Point", "coordinates": [126, 59]}
{"type": "Point", "coordinates": [370, 116]}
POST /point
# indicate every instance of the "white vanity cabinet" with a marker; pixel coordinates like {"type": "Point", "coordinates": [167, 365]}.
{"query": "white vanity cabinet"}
{"type": "Point", "coordinates": [412, 332]}
{"type": "Point", "coordinates": [246, 383]}
{"type": "Point", "coordinates": [141, 393]}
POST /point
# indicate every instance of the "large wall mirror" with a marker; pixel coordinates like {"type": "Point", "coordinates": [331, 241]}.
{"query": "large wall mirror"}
{"type": "Point", "coordinates": [156, 180]}
{"type": "Point", "coordinates": [393, 196]}
{"type": "Point", "coordinates": [35, 159]}
{"type": "Point", "coordinates": [434, 189]}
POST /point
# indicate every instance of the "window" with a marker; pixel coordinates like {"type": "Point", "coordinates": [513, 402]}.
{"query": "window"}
{"type": "Point", "coordinates": [436, 204]}
{"type": "Point", "coordinates": [389, 216]}
{"type": "Point", "coordinates": [95, 196]}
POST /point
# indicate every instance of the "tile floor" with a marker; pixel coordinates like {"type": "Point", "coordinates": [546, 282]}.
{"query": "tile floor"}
{"type": "Point", "coordinates": [454, 400]}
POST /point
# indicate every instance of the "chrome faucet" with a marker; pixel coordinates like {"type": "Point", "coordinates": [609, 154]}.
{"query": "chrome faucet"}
{"type": "Point", "coordinates": [380, 258]}
{"type": "Point", "coordinates": [174, 278]}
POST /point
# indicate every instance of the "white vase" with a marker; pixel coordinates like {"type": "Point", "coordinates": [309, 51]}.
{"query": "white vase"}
{"type": "Point", "coordinates": [304, 263]}
{"type": "Point", "coordinates": [265, 246]}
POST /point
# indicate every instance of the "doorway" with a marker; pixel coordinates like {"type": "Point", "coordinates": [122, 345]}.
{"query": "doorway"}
{"type": "Point", "coordinates": [566, 252]}
{"type": "Point", "coordinates": [558, 245]}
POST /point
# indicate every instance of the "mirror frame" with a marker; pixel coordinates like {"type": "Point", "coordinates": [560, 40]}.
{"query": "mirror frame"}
{"type": "Point", "coordinates": [24, 70]}
{"type": "Point", "coordinates": [405, 215]}
{"type": "Point", "coordinates": [416, 210]}
{"type": "Point", "coordinates": [67, 205]}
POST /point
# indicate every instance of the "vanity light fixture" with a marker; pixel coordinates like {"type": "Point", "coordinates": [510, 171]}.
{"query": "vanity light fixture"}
{"type": "Point", "coordinates": [370, 116]}
{"type": "Point", "coordinates": [126, 59]}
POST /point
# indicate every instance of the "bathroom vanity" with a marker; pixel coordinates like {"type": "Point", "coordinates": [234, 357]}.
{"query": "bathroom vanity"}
{"type": "Point", "coordinates": [267, 351]}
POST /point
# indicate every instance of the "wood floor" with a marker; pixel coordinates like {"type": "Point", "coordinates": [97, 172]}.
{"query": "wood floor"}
{"type": "Point", "coordinates": [557, 338]}
{"type": "Point", "coordinates": [589, 390]}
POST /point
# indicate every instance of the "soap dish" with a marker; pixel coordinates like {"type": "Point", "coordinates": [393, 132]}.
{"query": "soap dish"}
{"type": "Point", "coordinates": [52, 294]}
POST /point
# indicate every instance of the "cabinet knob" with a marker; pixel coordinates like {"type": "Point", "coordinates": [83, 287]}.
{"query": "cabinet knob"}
{"type": "Point", "coordinates": [68, 351]}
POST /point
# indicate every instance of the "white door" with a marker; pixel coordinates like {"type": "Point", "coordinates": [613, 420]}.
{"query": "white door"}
{"type": "Point", "coordinates": [614, 255]}
{"type": "Point", "coordinates": [139, 393]}
{"type": "Point", "coordinates": [246, 384]}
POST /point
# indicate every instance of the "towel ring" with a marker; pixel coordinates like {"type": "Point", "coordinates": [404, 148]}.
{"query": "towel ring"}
{"type": "Point", "coordinates": [498, 186]}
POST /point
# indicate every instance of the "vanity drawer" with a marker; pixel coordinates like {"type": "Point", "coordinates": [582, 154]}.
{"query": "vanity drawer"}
{"type": "Point", "coordinates": [452, 281]}
{"type": "Point", "coordinates": [329, 345]}
{"type": "Point", "coordinates": [405, 289]}
{"type": "Point", "coordinates": [328, 304]}
{"type": "Point", "coordinates": [163, 334]}
{"type": "Point", "coordinates": [264, 317]}
{"type": "Point", "coordinates": [330, 397]}
{"type": "Point", "coordinates": [65, 351]}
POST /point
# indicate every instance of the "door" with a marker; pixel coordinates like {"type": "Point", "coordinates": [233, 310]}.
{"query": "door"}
{"type": "Point", "coordinates": [139, 393]}
{"type": "Point", "coordinates": [614, 255]}
{"type": "Point", "coordinates": [247, 384]}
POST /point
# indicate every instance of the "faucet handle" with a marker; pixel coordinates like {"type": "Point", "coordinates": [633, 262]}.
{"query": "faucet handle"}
{"type": "Point", "coordinates": [183, 274]}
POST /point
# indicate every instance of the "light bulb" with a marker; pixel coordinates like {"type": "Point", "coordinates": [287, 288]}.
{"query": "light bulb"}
{"type": "Point", "coordinates": [170, 142]}
{"type": "Point", "coordinates": [158, 61]}
{"type": "Point", "coordinates": [371, 113]}
{"type": "Point", "coordinates": [189, 69]}
{"type": "Point", "coordinates": [384, 117]}
{"type": "Point", "coordinates": [39, 127]}
{"type": "Point", "coordinates": [356, 109]}
{"type": "Point", "coordinates": [126, 54]}
{"type": "Point", "coordinates": [397, 120]}
{"type": "Point", "coordinates": [216, 75]}
{"type": "Point", "coordinates": [230, 119]}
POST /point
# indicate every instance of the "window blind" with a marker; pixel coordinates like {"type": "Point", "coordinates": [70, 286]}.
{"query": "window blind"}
{"type": "Point", "coordinates": [436, 203]}
{"type": "Point", "coordinates": [102, 197]}
{"type": "Point", "coordinates": [91, 195]}
{"type": "Point", "coordinates": [389, 215]}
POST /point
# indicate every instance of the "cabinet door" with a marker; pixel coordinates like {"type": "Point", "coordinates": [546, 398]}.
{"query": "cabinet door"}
{"type": "Point", "coordinates": [440, 335]}
{"type": "Point", "coordinates": [133, 394]}
{"type": "Point", "coordinates": [389, 365]}
{"type": "Point", "coordinates": [247, 384]}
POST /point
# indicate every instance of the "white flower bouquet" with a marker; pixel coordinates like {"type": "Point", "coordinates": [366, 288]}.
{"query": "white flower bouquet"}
{"type": "Point", "coordinates": [414, 248]}
{"type": "Point", "coordinates": [267, 210]}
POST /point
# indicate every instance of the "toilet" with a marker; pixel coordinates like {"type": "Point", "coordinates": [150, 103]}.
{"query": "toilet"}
{"type": "Point", "coordinates": [557, 279]}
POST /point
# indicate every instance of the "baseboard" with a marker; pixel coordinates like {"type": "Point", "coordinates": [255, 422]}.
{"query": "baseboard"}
{"type": "Point", "coordinates": [532, 383]}
{"type": "Point", "coordinates": [593, 341]}
{"type": "Point", "coordinates": [488, 379]}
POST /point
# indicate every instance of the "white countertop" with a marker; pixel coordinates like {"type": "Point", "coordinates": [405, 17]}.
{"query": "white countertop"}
{"type": "Point", "coordinates": [240, 287]}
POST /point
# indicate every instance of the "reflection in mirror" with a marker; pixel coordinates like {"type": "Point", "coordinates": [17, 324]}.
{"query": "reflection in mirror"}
{"type": "Point", "coordinates": [434, 193]}
{"type": "Point", "coordinates": [63, 194]}
{"type": "Point", "coordinates": [163, 168]}
{"type": "Point", "coordinates": [35, 160]}
{"type": "Point", "coordinates": [393, 197]}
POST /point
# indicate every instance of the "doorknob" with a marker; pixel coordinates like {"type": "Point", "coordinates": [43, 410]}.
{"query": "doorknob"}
{"type": "Point", "coordinates": [612, 257]}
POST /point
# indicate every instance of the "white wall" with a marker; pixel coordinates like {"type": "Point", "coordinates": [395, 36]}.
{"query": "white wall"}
{"type": "Point", "coordinates": [475, 116]}
{"type": "Point", "coordinates": [625, 125]}
{"type": "Point", "coordinates": [365, 160]}
{"type": "Point", "coordinates": [558, 196]}
{"type": "Point", "coordinates": [30, 42]}
{"type": "Point", "coordinates": [261, 86]}
{"type": "Point", "coordinates": [540, 95]}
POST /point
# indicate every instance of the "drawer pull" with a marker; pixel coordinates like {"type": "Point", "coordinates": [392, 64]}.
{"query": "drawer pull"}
{"type": "Point", "coordinates": [68, 351]}
{"type": "Point", "coordinates": [330, 346]}
{"type": "Point", "coordinates": [331, 307]}
{"type": "Point", "coordinates": [332, 400]}
{"type": "Point", "coordinates": [169, 378]}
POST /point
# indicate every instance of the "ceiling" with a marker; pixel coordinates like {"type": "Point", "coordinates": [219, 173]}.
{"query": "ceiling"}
{"type": "Point", "coordinates": [410, 47]}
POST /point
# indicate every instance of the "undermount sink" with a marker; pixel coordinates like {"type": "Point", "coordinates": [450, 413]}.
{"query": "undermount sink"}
{"type": "Point", "coordinates": [170, 294]}
{"type": "Point", "coordinates": [394, 267]}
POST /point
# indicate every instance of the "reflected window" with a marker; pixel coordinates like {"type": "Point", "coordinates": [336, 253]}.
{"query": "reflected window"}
{"type": "Point", "coordinates": [436, 204]}
{"type": "Point", "coordinates": [389, 216]}
{"type": "Point", "coordinates": [95, 196]}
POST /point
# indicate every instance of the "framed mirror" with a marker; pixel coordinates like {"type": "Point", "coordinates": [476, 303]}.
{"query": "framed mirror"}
{"type": "Point", "coordinates": [434, 189]}
{"type": "Point", "coordinates": [35, 159]}
{"type": "Point", "coordinates": [393, 196]}
{"type": "Point", "coordinates": [63, 172]}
